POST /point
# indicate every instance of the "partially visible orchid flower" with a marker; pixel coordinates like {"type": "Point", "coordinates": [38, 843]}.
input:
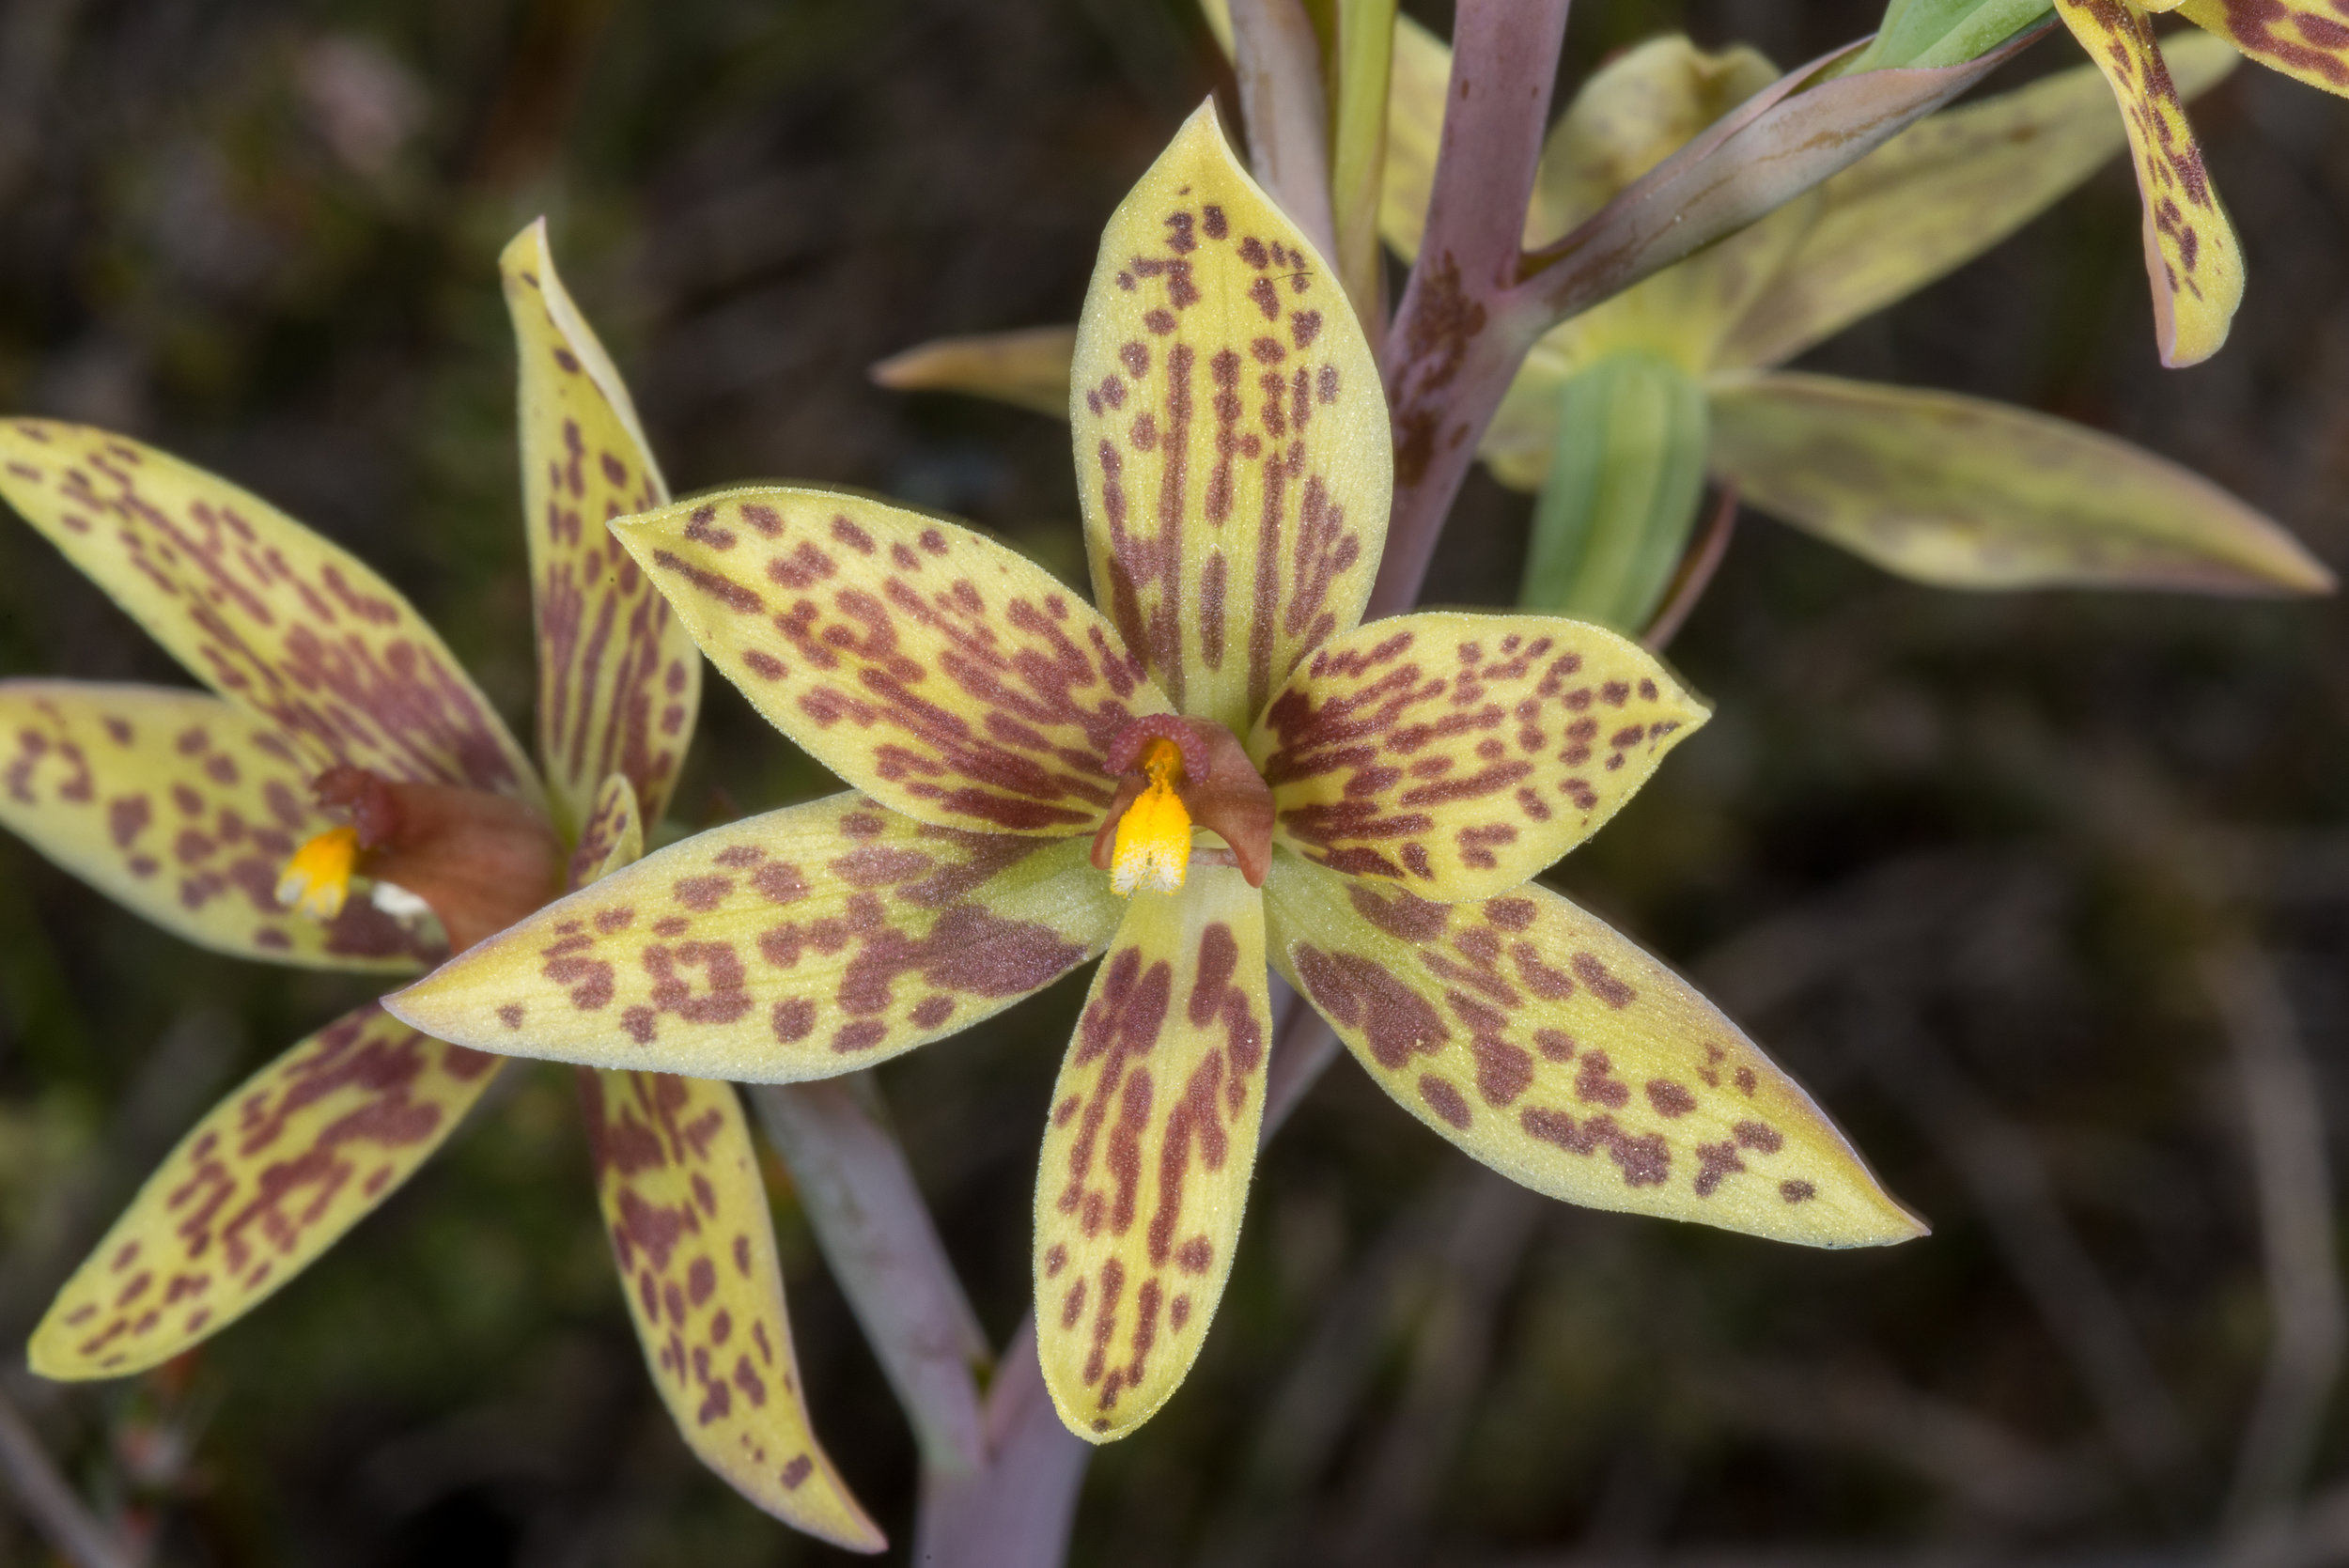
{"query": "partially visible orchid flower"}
{"type": "Point", "coordinates": [347, 767]}
{"type": "Point", "coordinates": [1216, 769]}
{"type": "Point", "coordinates": [2191, 255]}
{"type": "Point", "coordinates": [1951, 490]}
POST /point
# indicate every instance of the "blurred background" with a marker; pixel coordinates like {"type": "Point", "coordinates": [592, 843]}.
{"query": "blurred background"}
{"type": "Point", "coordinates": [2046, 896]}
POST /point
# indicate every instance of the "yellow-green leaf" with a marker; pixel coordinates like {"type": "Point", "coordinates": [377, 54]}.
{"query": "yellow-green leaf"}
{"type": "Point", "coordinates": [1459, 755]}
{"type": "Point", "coordinates": [945, 675]}
{"type": "Point", "coordinates": [1564, 1057]}
{"type": "Point", "coordinates": [1964, 493]}
{"type": "Point", "coordinates": [618, 680]}
{"type": "Point", "coordinates": [687, 1213]}
{"type": "Point", "coordinates": [272, 1178]}
{"type": "Point", "coordinates": [2191, 256]}
{"type": "Point", "coordinates": [1027, 369]}
{"type": "Point", "coordinates": [1233, 454]}
{"type": "Point", "coordinates": [2307, 39]}
{"type": "Point", "coordinates": [1939, 195]}
{"type": "Point", "coordinates": [183, 808]}
{"type": "Point", "coordinates": [1145, 1162]}
{"type": "Point", "coordinates": [803, 943]}
{"type": "Point", "coordinates": [260, 609]}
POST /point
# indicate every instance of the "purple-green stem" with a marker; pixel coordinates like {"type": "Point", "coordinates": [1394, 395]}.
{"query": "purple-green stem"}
{"type": "Point", "coordinates": [1471, 310]}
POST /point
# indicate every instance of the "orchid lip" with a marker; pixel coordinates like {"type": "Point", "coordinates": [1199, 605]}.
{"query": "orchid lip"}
{"type": "Point", "coordinates": [480, 862]}
{"type": "Point", "coordinates": [1209, 779]}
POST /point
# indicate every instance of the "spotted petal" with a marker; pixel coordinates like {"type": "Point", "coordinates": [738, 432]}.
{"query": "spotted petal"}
{"type": "Point", "coordinates": [930, 666]}
{"type": "Point", "coordinates": [2190, 253]}
{"type": "Point", "coordinates": [618, 680]}
{"type": "Point", "coordinates": [613, 835]}
{"type": "Point", "coordinates": [2304, 38]}
{"type": "Point", "coordinates": [263, 611]}
{"type": "Point", "coordinates": [797, 945]}
{"type": "Point", "coordinates": [183, 808]}
{"type": "Point", "coordinates": [1564, 1057]}
{"type": "Point", "coordinates": [270, 1179]}
{"type": "Point", "coordinates": [687, 1213]}
{"type": "Point", "coordinates": [1147, 1159]}
{"type": "Point", "coordinates": [1233, 454]}
{"type": "Point", "coordinates": [1459, 755]}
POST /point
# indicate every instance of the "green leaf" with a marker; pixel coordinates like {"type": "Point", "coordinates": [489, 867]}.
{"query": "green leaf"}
{"type": "Point", "coordinates": [1962, 493]}
{"type": "Point", "coordinates": [1945, 32]}
{"type": "Point", "coordinates": [1622, 492]}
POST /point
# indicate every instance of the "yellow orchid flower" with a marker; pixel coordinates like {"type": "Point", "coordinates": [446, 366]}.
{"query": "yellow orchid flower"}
{"type": "Point", "coordinates": [1264, 780]}
{"type": "Point", "coordinates": [345, 742]}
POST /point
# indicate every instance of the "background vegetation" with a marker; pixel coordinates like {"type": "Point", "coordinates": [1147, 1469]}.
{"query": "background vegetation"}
{"type": "Point", "coordinates": [2005, 879]}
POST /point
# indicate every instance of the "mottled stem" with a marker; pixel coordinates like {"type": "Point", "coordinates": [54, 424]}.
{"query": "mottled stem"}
{"type": "Point", "coordinates": [1455, 344]}
{"type": "Point", "coordinates": [33, 1479]}
{"type": "Point", "coordinates": [878, 1237]}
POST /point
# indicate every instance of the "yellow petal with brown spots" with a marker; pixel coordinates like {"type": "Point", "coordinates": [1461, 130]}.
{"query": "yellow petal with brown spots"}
{"type": "Point", "coordinates": [2190, 251]}
{"type": "Point", "coordinates": [800, 944]}
{"type": "Point", "coordinates": [687, 1214]}
{"type": "Point", "coordinates": [2307, 39]}
{"type": "Point", "coordinates": [269, 1178]}
{"type": "Point", "coordinates": [927, 665]}
{"type": "Point", "coordinates": [1146, 1158]}
{"type": "Point", "coordinates": [1459, 755]}
{"type": "Point", "coordinates": [257, 607]}
{"type": "Point", "coordinates": [618, 680]}
{"type": "Point", "coordinates": [1233, 454]}
{"type": "Point", "coordinates": [1560, 1055]}
{"type": "Point", "coordinates": [613, 835]}
{"type": "Point", "coordinates": [183, 808]}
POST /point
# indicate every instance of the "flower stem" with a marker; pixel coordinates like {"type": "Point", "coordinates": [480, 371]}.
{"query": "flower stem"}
{"type": "Point", "coordinates": [1454, 343]}
{"type": "Point", "coordinates": [883, 1248]}
{"type": "Point", "coordinates": [49, 1501]}
{"type": "Point", "coordinates": [1017, 1512]}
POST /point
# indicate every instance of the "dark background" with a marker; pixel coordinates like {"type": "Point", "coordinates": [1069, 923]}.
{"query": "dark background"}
{"type": "Point", "coordinates": [1970, 865]}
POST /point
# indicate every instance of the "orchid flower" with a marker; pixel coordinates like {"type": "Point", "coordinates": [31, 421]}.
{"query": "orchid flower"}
{"type": "Point", "coordinates": [1216, 769]}
{"type": "Point", "coordinates": [1951, 490]}
{"type": "Point", "coordinates": [2191, 255]}
{"type": "Point", "coordinates": [345, 747]}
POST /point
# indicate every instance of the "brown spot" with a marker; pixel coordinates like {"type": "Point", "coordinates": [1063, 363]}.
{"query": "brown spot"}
{"type": "Point", "coordinates": [1359, 994]}
{"type": "Point", "coordinates": [1669, 1098]}
{"type": "Point", "coordinates": [1443, 1099]}
{"type": "Point", "coordinates": [1603, 982]}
